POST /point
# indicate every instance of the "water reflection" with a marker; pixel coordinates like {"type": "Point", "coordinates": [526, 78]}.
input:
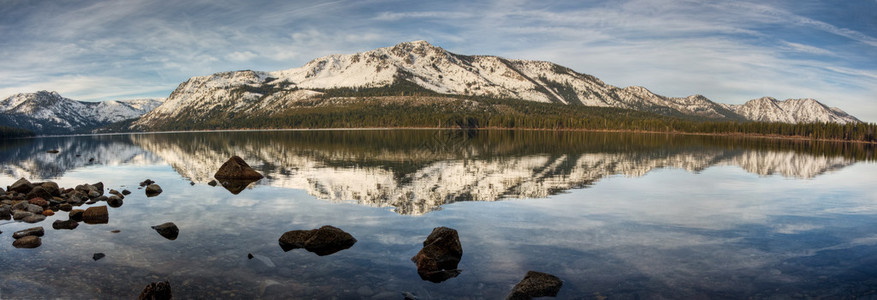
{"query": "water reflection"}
{"type": "Point", "coordinates": [418, 171]}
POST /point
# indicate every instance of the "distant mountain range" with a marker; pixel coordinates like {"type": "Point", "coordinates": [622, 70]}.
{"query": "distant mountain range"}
{"type": "Point", "coordinates": [50, 113]}
{"type": "Point", "coordinates": [418, 64]}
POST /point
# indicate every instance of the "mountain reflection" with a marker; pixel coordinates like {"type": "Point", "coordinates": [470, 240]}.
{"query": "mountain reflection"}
{"type": "Point", "coordinates": [417, 171]}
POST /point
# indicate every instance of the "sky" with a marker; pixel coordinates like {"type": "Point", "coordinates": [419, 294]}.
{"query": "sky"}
{"type": "Point", "coordinates": [728, 51]}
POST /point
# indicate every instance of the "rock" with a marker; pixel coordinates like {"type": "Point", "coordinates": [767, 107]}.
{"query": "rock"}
{"type": "Point", "coordinates": [160, 290]}
{"type": "Point", "coordinates": [52, 151]}
{"type": "Point", "coordinates": [38, 192]}
{"type": "Point", "coordinates": [38, 201]}
{"type": "Point", "coordinates": [5, 211]}
{"type": "Point", "coordinates": [68, 224]}
{"type": "Point", "coordinates": [323, 241]}
{"type": "Point", "coordinates": [168, 230]}
{"type": "Point", "coordinates": [536, 284]}
{"type": "Point", "coordinates": [52, 188]}
{"type": "Point", "coordinates": [115, 192]}
{"type": "Point", "coordinates": [76, 214]}
{"type": "Point", "coordinates": [34, 218]}
{"type": "Point", "coordinates": [250, 256]}
{"type": "Point", "coordinates": [153, 190]}
{"type": "Point", "coordinates": [99, 186]}
{"type": "Point", "coordinates": [236, 168]}
{"type": "Point", "coordinates": [96, 215]}
{"type": "Point", "coordinates": [48, 213]}
{"type": "Point", "coordinates": [98, 256]}
{"type": "Point", "coordinates": [114, 201]}
{"type": "Point", "coordinates": [126, 192]}
{"type": "Point", "coordinates": [33, 231]}
{"type": "Point", "coordinates": [212, 182]}
{"type": "Point", "coordinates": [66, 207]}
{"type": "Point", "coordinates": [33, 208]}
{"type": "Point", "coordinates": [20, 214]}
{"type": "Point", "coordinates": [27, 242]}
{"type": "Point", "coordinates": [21, 205]}
{"type": "Point", "coordinates": [441, 254]}
{"type": "Point", "coordinates": [20, 186]}
{"type": "Point", "coordinates": [236, 186]}
{"type": "Point", "coordinates": [146, 182]}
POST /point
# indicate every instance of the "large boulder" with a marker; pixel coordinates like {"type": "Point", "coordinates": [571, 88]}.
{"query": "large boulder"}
{"type": "Point", "coordinates": [21, 186]}
{"type": "Point", "coordinates": [536, 284]}
{"type": "Point", "coordinates": [168, 230]}
{"type": "Point", "coordinates": [159, 290]}
{"type": "Point", "coordinates": [237, 169]}
{"type": "Point", "coordinates": [153, 190]}
{"type": "Point", "coordinates": [323, 241]}
{"type": "Point", "coordinates": [38, 192]}
{"type": "Point", "coordinates": [96, 215]}
{"type": "Point", "coordinates": [441, 254]}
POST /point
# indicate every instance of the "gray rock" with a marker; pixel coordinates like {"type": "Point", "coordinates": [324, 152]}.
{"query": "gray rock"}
{"type": "Point", "coordinates": [160, 290]}
{"type": "Point", "coordinates": [67, 224]}
{"type": "Point", "coordinates": [20, 205]}
{"type": "Point", "coordinates": [168, 230]}
{"type": "Point", "coordinates": [20, 214]}
{"type": "Point", "coordinates": [153, 190]}
{"type": "Point", "coordinates": [33, 231]}
{"type": "Point", "coordinates": [34, 209]}
{"type": "Point", "coordinates": [27, 242]}
{"type": "Point", "coordinates": [536, 284]}
{"type": "Point", "coordinates": [34, 218]}
{"type": "Point", "coordinates": [66, 207]}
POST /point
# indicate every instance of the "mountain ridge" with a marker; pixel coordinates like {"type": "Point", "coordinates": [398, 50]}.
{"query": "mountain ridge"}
{"type": "Point", "coordinates": [439, 71]}
{"type": "Point", "coordinates": [47, 112]}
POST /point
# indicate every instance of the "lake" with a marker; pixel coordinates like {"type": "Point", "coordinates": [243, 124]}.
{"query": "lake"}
{"type": "Point", "coordinates": [623, 216]}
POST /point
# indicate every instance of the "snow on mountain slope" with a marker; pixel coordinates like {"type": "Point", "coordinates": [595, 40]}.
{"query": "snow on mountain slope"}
{"type": "Point", "coordinates": [791, 111]}
{"type": "Point", "coordinates": [50, 113]}
{"type": "Point", "coordinates": [435, 69]}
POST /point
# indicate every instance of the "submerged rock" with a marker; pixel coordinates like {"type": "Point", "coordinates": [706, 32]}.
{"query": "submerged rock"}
{"type": "Point", "coordinates": [237, 168]}
{"type": "Point", "coordinates": [33, 231]}
{"type": "Point", "coordinates": [159, 290]}
{"type": "Point", "coordinates": [96, 215]}
{"type": "Point", "coordinates": [441, 254]}
{"type": "Point", "coordinates": [168, 230]}
{"type": "Point", "coordinates": [27, 242]}
{"type": "Point", "coordinates": [536, 284]}
{"type": "Point", "coordinates": [153, 190]}
{"type": "Point", "coordinates": [323, 241]}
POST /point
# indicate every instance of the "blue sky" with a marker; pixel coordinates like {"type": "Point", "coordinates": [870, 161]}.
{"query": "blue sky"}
{"type": "Point", "coordinates": [728, 51]}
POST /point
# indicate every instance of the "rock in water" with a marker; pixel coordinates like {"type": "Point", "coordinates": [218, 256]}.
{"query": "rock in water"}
{"type": "Point", "coordinates": [323, 241]}
{"type": "Point", "coordinates": [98, 256]}
{"type": "Point", "coordinates": [441, 254]}
{"type": "Point", "coordinates": [96, 215]}
{"type": "Point", "coordinates": [146, 182]}
{"type": "Point", "coordinates": [27, 242]}
{"type": "Point", "coordinates": [237, 168]}
{"type": "Point", "coordinates": [34, 231]}
{"type": "Point", "coordinates": [168, 230]}
{"type": "Point", "coordinates": [38, 192]}
{"type": "Point", "coordinates": [34, 218]}
{"type": "Point", "coordinates": [153, 190]}
{"type": "Point", "coordinates": [68, 224]}
{"type": "Point", "coordinates": [159, 290]}
{"type": "Point", "coordinates": [76, 214]}
{"type": "Point", "coordinates": [536, 284]}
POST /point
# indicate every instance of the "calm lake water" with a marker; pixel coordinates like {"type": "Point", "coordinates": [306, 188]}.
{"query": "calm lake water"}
{"type": "Point", "coordinates": [621, 216]}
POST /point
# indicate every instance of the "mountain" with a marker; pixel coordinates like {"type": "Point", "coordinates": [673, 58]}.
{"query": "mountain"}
{"type": "Point", "coordinates": [49, 113]}
{"type": "Point", "coordinates": [426, 69]}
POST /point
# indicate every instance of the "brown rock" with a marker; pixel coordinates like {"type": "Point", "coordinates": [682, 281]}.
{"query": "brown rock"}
{"type": "Point", "coordinates": [237, 168]}
{"type": "Point", "coordinates": [536, 284]}
{"type": "Point", "coordinates": [68, 224]}
{"type": "Point", "coordinates": [159, 290]}
{"type": "Point", "coordinates": [33, 231]}
{"type": "Point", "coordinates": [153, 190]}
{"type": "Point", "coordinates": [323, 241]}
{"type": "Point", "coordinates": [39, 202]}
{"type": "Point", "coordinates": [96, 215]}
{"type": "Point", "coordinates": [48, 212]}
{"type": "Point", "coordinates": [34, 218]}
{"type": "Point", "coordinates": [27, 242]}
{"type": "Point", "coordinates": [20, 186]}
{"type": "Point", "coordinates": [52, 188]}
{"type": "Point", "coordinates": [38, 192]}
{"type": "Point", "coordinates": [441, 254]}
{"type": "Point", "coordinates": [76, 214]}
{"type": "Point", "coordinates": [168, 230]}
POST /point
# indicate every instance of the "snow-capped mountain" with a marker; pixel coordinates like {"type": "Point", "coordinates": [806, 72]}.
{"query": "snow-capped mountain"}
{"type": "Point", "coordinates": [49, 113]}
{"type": "Point", "coordinates": [791, 111]}
{"type": "Point", "coordinates": [435, 69]}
